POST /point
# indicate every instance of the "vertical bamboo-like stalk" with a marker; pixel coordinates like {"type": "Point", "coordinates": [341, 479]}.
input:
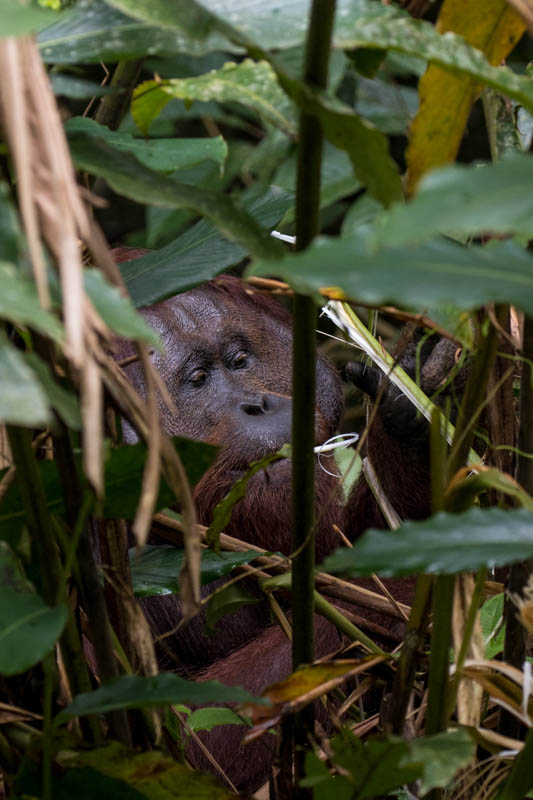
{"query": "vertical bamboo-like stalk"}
{"type": "Point", "coordinates": [438, 712]}
{"type": "Point", "coordinates": [515, 634]}
{"type": "Point", "coordinates": [304, 368]}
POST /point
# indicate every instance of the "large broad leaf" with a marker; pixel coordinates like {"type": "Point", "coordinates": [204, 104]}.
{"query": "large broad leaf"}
{"type": "Point", "coordinates": [441, 756]}
{"type": "Point", "coordinates": [28, 627]}
{"type": "Point", "coordinates": [469, 200]}
{"type": "Point", "coordinates": [155, 569]}
{"type": "Point", "coordinates": [252, 83]}
{"type": "Point", "coordinates": [117, 310]}
{"type": "Point", "coordinates": [337, 179]}
{"type": "Point", "coordinates": [205, 719]}
{"type": "Point", "coordinates": [61, 400]}
{"type": "Point", "coordinates": [83, 783]}
{"type": "Point", "coordinates": [367, 147]}
{"type": "Point", "coordinates": [229, 600]}
{"type": "Point", "coordinates": [197, 255]}
{"type": "Point", "coordinates": [123, 475]}
{"type": "Point", "coordinates": [359, 23]}
{"type": "Point", "coordinates": [21, 18]}
{"type": "Point", "coordinates": [127, 176]}
{"type": "Point", "coordinates": [130, 691]}
{"type": "Point", "coordinates": [375, 768]}
{"type": "Point", "coordinates": [278, 24]}
{"type": "Point", "coordinates": [492, 627]}
{"type": "Point", "coordinates": [114, 771]}
{"type": "Point", "coordinates": [390, 107]}
{"type": "Point", "coordinates": [123, 481]}
{"type": "Point", "coordinates": [162, 155]}
{"type": "Point", "coordinates": [403, 34]}
{"type": "Point", "coordinates": [428, 276]}
{"type": "Point", "coordinates": [94, 32]}
{"type": "Point", "coordinates": [443, 544]}
{"type": "Point", "coordinates": [64, 85]}
{"type": "Point", "coordinates": [491, 26]}
{"type": "Point", "coordinates": [22, 398]}
{"type": "Point", "coordinates": [20, 304]}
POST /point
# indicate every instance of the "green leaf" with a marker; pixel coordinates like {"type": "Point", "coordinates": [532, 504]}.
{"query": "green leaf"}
{"type": "Point", "coordinates": [127, 176]}
{"type": "Point", "coordinates": [466, 200]}
{"type": "Point", "coordinates": [205, 719]}
{"type": "Point", "coordinates": [12, 514]}
{"type": "Point", "coordinates": [276, 25]}
{"type": "Point", "coordinates": [441, 756]}
{"type": "Point", "coordinates": [28, 627]}
{"type": "Point", "coordinates": [348, 464]}
{"type": "Point", "coordinates": [390, 107]}
{"type": "Point", "coordinates": [123, 481]}
{"type": "Point", "coordinates": [94, 32]}
{"type": "Point", "coordinates": [358, 24]}
{"type": "Point", "coordinates": [61, 400]}
{"type": "Point", "coordinates": [124, 469]}
{"type": "Point", "coordinates": [360, 218]}
{"type": "Point", "coordinates": [117, 772]}
{"type": "Point", "coordinates": [155, 569]}
{"type": "Point", "coordinates": [82, 783]}
{"type": "Point", "coordinates": [20, 304]}
{"type": "Point", "coordinates": [22, 398]}
{"type": "Point", "coordinates": [197, 255]}
{"type": "Point", "coordinates": [227, 601]}
{"type": "Point", "coordinates": [367, 147]}
{"type": "Point", "coordinates": [117, 310]}
{"type": "Point", "coordinates": [429, 276]}
{"type": "Point", "coordinates": [252, 83]}
{"type": "Point", "coordinates": [162, 155]}
{"type": "Point", "coordinates": [337, 179]}
{"type": "Point", "coordinates": [132, 691]}
{"type": "Point", "coordinates": [64, 85]}
{"type": "Point", "coordinates": [491, 615]}
{"type": "Point", "coordinates": [224, 508]}
{"type": "Point", "coordinates": [375, 767]}
{"type": "Point", "coordinates": [11, 239]}
{"type": "Point", "coordinates": [443, 544]}
{"type": "Point", "coordinates": [20, 18]}
{"type": "Point", "coordinates": [401, 33]}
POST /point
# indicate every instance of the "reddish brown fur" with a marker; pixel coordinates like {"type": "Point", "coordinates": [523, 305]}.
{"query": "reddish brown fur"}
{"type": "Point", "coordinates": [244, 652]}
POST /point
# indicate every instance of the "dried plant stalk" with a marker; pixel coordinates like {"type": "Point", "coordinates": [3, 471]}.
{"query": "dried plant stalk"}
{"type": "Point", "coordinates": [54, 214]}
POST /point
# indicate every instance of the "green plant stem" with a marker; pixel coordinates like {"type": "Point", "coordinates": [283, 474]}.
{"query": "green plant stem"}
{"type": "Point", "coordinates": [49, 675]}
{"type": "Point", "coordinates": [473, 400]}
{"type": "Point", "coordinates": [90, 588]}
{"type": "Point", "coordinates": [439, 663]}
{"type": "Point", "coordinates": [42, 530]}
{"type": "Point", "coordinates": [329, 611]}
{"type": "Point", "coordinates": [406, 670]}
{"type": "Point", "coordinates": [36, 509]}
{"type": "Point", "coordinates": [310, 143]}
{"type": "Point", "coordinates": [514, 651]}
{"type": "Point", "coordinates": [113, 106]}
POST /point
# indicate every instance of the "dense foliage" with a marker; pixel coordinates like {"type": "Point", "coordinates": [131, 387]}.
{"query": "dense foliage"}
{"type": "Point", "coordinates": [183, 122]}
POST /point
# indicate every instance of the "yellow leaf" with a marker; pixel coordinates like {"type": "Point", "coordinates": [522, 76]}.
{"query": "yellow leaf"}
{"type": "Point", "coordinates": [445, 99]}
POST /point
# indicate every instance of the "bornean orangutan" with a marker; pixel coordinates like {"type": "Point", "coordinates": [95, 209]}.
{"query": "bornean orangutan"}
{"type": "Point", "coordinates": [227, 365]}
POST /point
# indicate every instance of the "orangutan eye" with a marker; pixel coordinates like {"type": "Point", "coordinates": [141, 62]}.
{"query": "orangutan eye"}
{"type": "Point", "coordinates": [198, 377]}
{"type": "Point", "coordinates": [240, 361]}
